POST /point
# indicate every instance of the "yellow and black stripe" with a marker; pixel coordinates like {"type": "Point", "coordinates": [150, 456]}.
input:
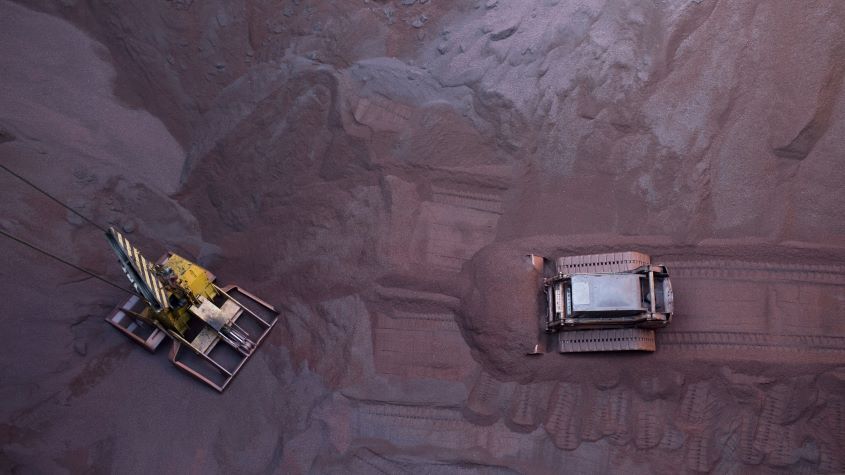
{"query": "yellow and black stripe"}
{"type": "Point", "coordinates": [139, 270]}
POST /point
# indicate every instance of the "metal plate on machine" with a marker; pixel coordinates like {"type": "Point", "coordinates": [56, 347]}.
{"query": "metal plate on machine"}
{"type": "Point", "coordinates": [580, 292]}
{"type": "Point", "coordinates": [205, 339]}
{"type": "Point", "coordinates": [606, 292]}
{"type": "Point", "coordinates": [230, 310]}
{"type": "Point", "coordinates": [209, 313]}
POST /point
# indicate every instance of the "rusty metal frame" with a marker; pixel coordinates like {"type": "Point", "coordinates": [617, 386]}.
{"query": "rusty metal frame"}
{"type": "Point", "coordinates": [179, 342]}
{"type": "Point", "coordinates": [152, 342]}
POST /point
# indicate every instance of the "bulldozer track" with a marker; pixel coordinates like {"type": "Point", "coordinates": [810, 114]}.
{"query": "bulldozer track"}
{"type": "Point", "coordinates": [411, 426]}
{"type": "Point", "coordinates": [401, 297]}
{"type": "Point", "coordinates": [836, 418]}
{"type": "Point", "coordinates": [768, 434]}
{"type": "Point", "coordinates": [623, 339]}
{"type": "Point", "coordinates": [649, 424]}
{"type": "Point", "coordinates": [756, 271]}
{"type": "Point", "coordinates": [698, 454]}
{"type": "Point", "coordinates": [438, 321]}
{"type": "Point", "coordinates": [783, 451]}
{"type": "Point", "coordinates": [415, 335]}
{"type": "Point", "coordinates": [382, 114]}
{"type": "Point", "coordinates": [523, 406]}
{"type": "Point", "coordinates": [748, 454]}
{"type": "Point", "coordinates": [459, 218]}
{"type": "Point", "coordinates": [413, 413]}
{"type": "Point", "coordinates": [832, 424]}
{"type": "Point", "coordinates": [673, 439]}
{"type": "Point", "coordinates": [733, 269]}
{"type": "Point", "coordinates": [727, 453]}
{"type": "Point", "coordinates": [829, 459]}
{"type": "Point", "coordinates": [370, 462]}
{"type": "Point", "coordinates": [696, 403]}
{"type": "Point", "coordinates": [579, 414]}
{"type": "Point", "coordinates": [484, 395]}
{"type": "Point", "coordinates": [425, 347]}
{"type": "Point", "coordinates": [768, 296]}
{"type": "Point", "coordinates": [602, 263]}
{"type": "Point", "coordinates": [734, 340]}
{"type": "Point", "coordinates": [563, 419]}
{"type": "Point", "coordinates": [617, 425]}
{"type": "Point", "coordinates": [481, 201]}
{"type": "Point", "coordinates": [592, 425]}
{"type": "Point", "coordinates": [445, 428]}
{"type": "Point", "coordinates": [455, 233]}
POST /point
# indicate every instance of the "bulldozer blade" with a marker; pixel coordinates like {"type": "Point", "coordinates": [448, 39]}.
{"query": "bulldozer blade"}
{"type": "Point", "coordinates": [545, 267]}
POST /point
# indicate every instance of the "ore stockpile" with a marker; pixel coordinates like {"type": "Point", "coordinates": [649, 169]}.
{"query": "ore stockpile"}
{"type": "Point", "coordinates": [377, 170]}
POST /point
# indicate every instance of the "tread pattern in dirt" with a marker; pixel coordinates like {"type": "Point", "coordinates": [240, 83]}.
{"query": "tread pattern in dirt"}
{"type": "Point", "coordinates": [459, 220]}
{"type": "Point", "coordinates": [757, 271]}
{"type": "Point", "coordinates": [563, 419]}
{"type": "Point", "coordinates": [483, 398]}
{"type": "Point", "coordinates": [523, 408]}
{"type": "Point", "coordinates": [420, 346]}
{"type": "Point", "coordinates": [735, 340]}
{"type": "Point", "coordinates": [415, 335]}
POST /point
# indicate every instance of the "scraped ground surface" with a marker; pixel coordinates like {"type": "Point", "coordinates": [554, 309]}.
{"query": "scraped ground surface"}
{"type": "Point", "coordinates": [377, 170]}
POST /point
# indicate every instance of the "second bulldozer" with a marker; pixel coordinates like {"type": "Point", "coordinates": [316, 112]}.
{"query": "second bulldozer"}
{"type": "Point", "coordinates": [602, 302]}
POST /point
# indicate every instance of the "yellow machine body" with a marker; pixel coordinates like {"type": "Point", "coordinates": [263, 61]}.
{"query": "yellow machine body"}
{"type": "Point", "coordinates": [196, 281]}
{"type": "Point", "coordinates": [192, 276]}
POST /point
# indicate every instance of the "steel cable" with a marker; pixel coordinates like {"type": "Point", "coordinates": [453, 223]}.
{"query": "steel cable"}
{"type": "Point", "coordinates": [81, 269]}
{"type": "Point", "coordinates": [48, 195]}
